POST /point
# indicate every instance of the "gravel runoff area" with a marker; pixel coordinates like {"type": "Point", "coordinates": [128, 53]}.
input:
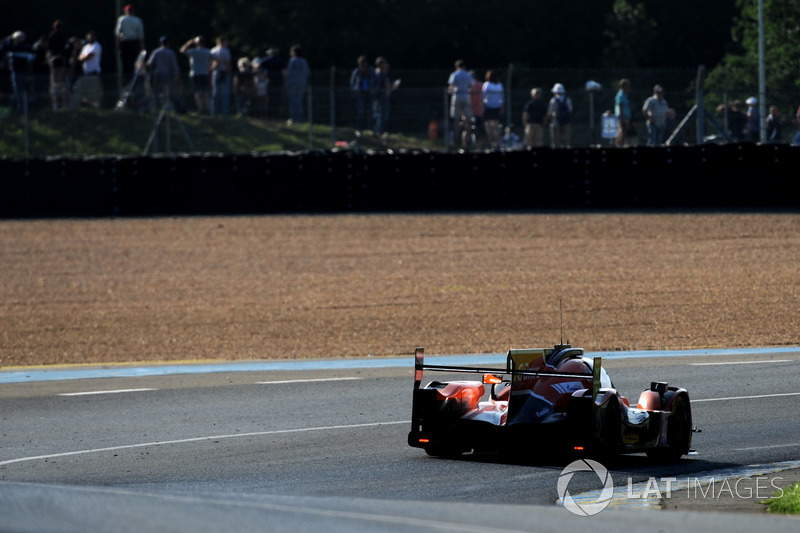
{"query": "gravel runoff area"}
{"type": "Point", "coordinates": [274, 287]}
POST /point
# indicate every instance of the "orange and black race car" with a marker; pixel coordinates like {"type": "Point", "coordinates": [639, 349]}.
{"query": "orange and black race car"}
{"type": "Point", "coordinates": [552, 399]}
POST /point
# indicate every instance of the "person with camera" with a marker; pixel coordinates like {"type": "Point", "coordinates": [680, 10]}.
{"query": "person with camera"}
{"type": "Point", "coordinates": [199, 71]}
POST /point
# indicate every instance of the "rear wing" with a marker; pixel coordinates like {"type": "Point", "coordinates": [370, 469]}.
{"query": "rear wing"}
{"type": "Point", "coordinates": [513, 367]}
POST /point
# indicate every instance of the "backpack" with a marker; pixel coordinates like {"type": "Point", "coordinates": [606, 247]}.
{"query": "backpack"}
{"type": "Point", "coordinates": [563, 113]}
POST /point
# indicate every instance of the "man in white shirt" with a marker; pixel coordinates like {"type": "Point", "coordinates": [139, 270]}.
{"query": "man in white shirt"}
{"type": "Point", "coordinates": [129, 34]}
{"type": "Point", "coordinates": [221, 78]}
{"type": "Point", "coordinates": [88, 89]}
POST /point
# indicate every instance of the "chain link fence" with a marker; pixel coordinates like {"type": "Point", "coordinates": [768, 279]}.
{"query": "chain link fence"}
{"type": "Point", "coordinates": [419, 107]}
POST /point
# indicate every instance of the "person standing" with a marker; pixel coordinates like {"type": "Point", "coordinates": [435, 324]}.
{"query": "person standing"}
{"type": "Point", "coordinates": [275, 68]}
{"type": "Point", "coordinates": [297, 75]}
{"type": "Point", "coordinates": [221, 78]}
{"type": "Point", "coordinates": [753, 124]}
{"type": "Point", "coordinates": [655, 111]}
{"type": "Point", "coordinates": [476, 98]}
{"type": "Point", "coordinates": [20, 56]}
{"type": "Point", "coordinates": [89, 89]}
{"type": "Point", "coordinates": [534, 115]}
{"type": "Point", "coordinates": [382, 90]}
{"type": "Point", "coordinates": [58, 51]}
{"type": "Point", "coordinates": [493, 97]}
{"type": "Point", "coordinates": [559, 114]}
{"type": "Point", "coordinates": [775, 125]}
{"type": "Point", "coordinates": [199, 64]}
{"type": "Point", "coordinates": [361, 87]}
{"type": "Point", "coordinates": [459, 86]}
{"type": "Point", "coordinates": [129, 34]}
{"type": "Point", "coordinates": [622, 110]}
{"type": "Point", "coordinates": [163, 67]}
{"type": "Point", "coordinates": [796, 140]}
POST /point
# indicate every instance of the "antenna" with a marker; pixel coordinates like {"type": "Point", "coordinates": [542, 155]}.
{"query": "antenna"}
{"type": "Point", "coordinates": [561, 314]}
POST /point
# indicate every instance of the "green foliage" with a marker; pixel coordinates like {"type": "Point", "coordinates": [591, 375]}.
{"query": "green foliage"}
{"type": "Point", "coordinates": [789, 503]}
{"type": "Point", "coordinates": [422, 33]}
{"type": "Point", "coordinates": [781, 45]}
{"type": "Point", "coordinates": [679, 33]}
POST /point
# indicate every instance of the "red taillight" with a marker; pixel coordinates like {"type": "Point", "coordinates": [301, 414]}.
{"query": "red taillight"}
{"type": "Point", "coordinates": [578, 448]}
{"type": "Point", "coordinates": [424, 441]}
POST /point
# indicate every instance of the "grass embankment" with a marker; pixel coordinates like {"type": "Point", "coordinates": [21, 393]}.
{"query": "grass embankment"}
{"type": "Point", "coordinates": [106, 132]}
{"type": "Point", "coordinates": [788, 503]}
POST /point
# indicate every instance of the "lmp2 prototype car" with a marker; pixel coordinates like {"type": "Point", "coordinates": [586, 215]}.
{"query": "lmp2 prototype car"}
{"type": "Point", "coordinates": [556, 399]}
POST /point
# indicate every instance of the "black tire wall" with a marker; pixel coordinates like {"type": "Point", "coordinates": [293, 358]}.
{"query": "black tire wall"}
{"type": "Point", "coordinates": [708, 176]}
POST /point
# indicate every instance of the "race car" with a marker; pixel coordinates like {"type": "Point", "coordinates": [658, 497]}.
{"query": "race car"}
{"type": "Point", "coordinates": [546, 400]}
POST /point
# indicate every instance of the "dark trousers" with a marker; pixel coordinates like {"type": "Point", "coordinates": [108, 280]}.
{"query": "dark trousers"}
{"type": "Point", "coordinates": [128, 52]}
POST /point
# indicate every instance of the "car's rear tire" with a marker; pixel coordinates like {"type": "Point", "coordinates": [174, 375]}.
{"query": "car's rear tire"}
{"type": "Point", "coordinates": [611, 432]}
{"type": "Point", "coordinates": [679, 433]}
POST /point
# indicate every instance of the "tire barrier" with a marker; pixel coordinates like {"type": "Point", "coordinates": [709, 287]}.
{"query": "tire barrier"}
{"type": "Point", "coordinates": [706, 176]}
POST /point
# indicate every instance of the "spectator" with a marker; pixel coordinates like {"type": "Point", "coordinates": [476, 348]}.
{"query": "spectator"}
{"type": "Point", "coordinates": [40, 68]}
{"type": "Point", "coordinates": [476, 98]}
{"type": "Point", "coordinates": [534, 115]}
{"type": "Point", "coordinates": [199, 71]}
{"type": "Point", "coordinates": [382, 89]}
{"type": "Point", "coordinates": [559, 115]}
{"type": "Point", "coordinates": [459, 85]}
{"type": "Point", "coordinates": [89, 89]}
{"type": "Point", "coordinates": [20, 56]}
{"type": "Point", "coordinates": [297, 76]}
{"type": "Point", "coordinates": [129, 34]}
{"type": "Point", "coordinates": [622, 110]}
{"type": "Point", "coordinates": [221, 68]}
{"type": "Point", "coordinates": [275, 68]}
{"type": "Point", "coordinates": [796, 140]}
{"type": "Point", "coordinates": [58, 53]}
{"type": "Point", "coordinates": [655, 111]}
{"type": "Point", "coordinates": [493, 96]}
{"type": "Point", "coordinates": [775, 125]}
{"type": "Point", "coordinates": [244, 86]}
{"type": "Point", "coordinates": [361, 87]}
{"type": "Point", "coordinates": [737, 121]}
{"type": "Point", "coordinates": [260, 102]}
{"type": "Point", "coordinates": [511, 140]}
{"type": "Point", "coordinates": [163, 67]}
{"type": "Point", "coordinates": [753, 123]}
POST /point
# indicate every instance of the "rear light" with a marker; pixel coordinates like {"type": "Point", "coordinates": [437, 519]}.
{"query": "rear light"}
{"type": "Point", "coordinates": [424, 441]}
{"type": "Point", "coordinates": [578, 448]}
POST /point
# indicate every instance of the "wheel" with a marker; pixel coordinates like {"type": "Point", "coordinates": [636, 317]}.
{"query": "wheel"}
{"type": "Point", "coordinates": [610, 432]}
{"type": "Point", "coordinates": [679, 433]}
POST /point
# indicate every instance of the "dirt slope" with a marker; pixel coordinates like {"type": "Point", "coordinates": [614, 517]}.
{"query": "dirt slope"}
{"type": "Point", "coordinates": [327, 286]}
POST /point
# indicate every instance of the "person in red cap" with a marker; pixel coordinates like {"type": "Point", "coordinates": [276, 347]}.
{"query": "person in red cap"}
{"type": "Point", "coordinates": [130, 40]}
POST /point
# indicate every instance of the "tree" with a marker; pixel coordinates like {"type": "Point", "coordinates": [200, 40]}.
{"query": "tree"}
{"type": "Point", "coordinates": [679, 33]}
{"type": "Point", "coordinates": [739, 70]}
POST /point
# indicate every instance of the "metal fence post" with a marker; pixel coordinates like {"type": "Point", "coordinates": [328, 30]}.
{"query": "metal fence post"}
{"type": "Point", "coordinates": [310, 119]}
{"type": "Point", "coordinates": [447, 145]}
{"type": "Point", "coordinates": [333, 106]}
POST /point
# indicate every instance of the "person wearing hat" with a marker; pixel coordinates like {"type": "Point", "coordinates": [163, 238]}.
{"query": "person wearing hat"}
{"type": "Point", "coordinates": [163, 68]}
{"type": "Point", "coordinates": [655, 111]}
{"type": "Point", "coordinates": [20, 56]}
{"type": "Point", "coordinates": [752, 129]}
{"type": "Point", "coordinates": [559, 114]}
{"type": "Point", "coordinates": [129, 35]}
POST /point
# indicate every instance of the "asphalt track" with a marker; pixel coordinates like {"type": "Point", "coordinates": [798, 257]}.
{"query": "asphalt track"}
{"type": "Point", "coordinates": [302, 449]}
